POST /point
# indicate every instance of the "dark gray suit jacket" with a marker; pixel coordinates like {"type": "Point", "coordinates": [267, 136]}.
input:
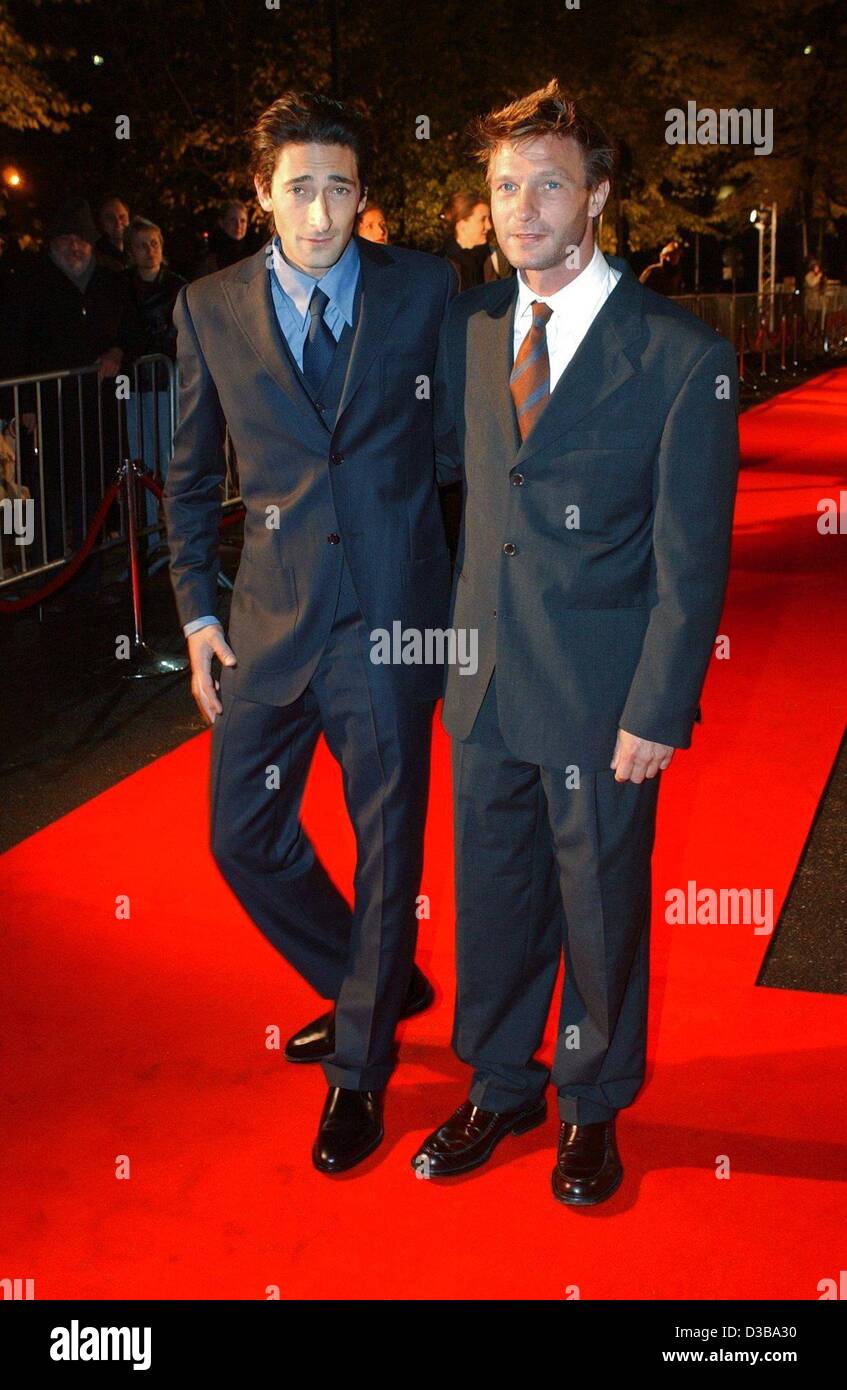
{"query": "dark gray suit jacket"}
{"type": "Point", "coordinates": [365, 477]}
{"type": "Point", "coordinates": [609, 622]}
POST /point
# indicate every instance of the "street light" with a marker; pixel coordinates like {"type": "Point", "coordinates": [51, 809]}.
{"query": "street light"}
{"type": "Point", "coordinates": [764, 219]}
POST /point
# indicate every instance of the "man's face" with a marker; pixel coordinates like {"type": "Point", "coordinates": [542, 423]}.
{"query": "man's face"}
{"type": "Point", "coordinates": [315, 197]}
{"type": "Point", "coordinates": [114, 217]}
{"type": "Point", "coordinates": [234, 223]}
{"type": "Point", "coordinates": [373, 226]}
{"type": "Point", "coordinates": [73, 252]}
{"type": "Point", "coordinates": [539, 202]}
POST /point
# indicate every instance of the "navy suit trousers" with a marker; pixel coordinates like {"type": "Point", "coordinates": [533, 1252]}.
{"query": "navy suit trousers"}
{"type": "Point", "coordinates": [362, 958]}
{"type": "Point", "coordinates": [544, 867]}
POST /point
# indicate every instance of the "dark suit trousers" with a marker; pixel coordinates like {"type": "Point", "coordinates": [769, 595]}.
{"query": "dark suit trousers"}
{"type": "Point", "coordinates": [362, 960]}
{"type": "Point", "coordinates": [541, 868]}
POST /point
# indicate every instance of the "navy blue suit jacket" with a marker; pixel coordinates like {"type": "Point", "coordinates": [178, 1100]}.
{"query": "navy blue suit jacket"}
{"type": "Point", "coordinates": [366, 477]}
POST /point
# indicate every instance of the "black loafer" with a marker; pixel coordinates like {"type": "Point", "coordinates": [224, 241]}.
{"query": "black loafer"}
{"type": "Point", "coordinates": [350, 1128]}
{"type": "Point", "coordinates": [470, 1136]}
{"type": "Point", "coordinates": [316, 1040]}
{"type": "Point", "coordinates": [588, 1166]}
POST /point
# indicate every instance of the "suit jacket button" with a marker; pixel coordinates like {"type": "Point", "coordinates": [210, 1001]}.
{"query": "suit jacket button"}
{"type": "Point", "coordinates": [517, 480]}
{"type": "Point", "coordinates": [510, 549]}
{"type": "Point", "coordinates": [336, 458]}
{"type": "Point", "coordinates": [333, 538]}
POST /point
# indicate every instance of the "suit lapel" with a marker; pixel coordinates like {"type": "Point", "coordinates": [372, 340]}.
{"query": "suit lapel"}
{"type": "Point", "coordinates": [249, 296]}
{"type": "Point", "coordinates": [383, 291]}
{"type": "Point", "coordinates": [605, 359]}
{"type": "Point", "coordinates": [490, 345]}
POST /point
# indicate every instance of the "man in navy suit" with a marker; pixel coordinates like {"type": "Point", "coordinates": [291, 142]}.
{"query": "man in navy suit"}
{"type": "Point", "coordinates": [595, 426]}
{"type": "Point", "coordinates": [317, 354]}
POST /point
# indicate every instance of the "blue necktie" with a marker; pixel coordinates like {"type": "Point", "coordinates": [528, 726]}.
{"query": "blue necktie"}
{"type": "Point", "coordinates": [319, 347]}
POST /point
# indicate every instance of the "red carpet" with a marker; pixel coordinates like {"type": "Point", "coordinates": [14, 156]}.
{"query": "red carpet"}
{"type": "Point", "coordinates": [145, 1036]}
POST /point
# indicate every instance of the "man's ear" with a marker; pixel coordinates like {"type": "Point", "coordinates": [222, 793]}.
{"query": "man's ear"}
{"type": "Point", "coordinates": [362, 201]}
{"type": "Point", "coordinates": [264, 198]}
{"type": "Point", "coordinates": [597, 198]}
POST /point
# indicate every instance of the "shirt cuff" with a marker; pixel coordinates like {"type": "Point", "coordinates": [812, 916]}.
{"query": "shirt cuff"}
{"type": "Point", "coordinates": [196, 624]}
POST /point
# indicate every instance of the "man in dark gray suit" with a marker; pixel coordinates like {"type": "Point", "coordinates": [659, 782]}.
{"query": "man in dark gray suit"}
{"type": "Point", "coordinates": [317, 354]}
{"type": "Point", "coordinates": [595, 426]}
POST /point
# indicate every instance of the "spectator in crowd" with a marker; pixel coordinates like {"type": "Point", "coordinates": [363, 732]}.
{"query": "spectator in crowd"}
{"type": "Point", "coordinates": [110, 247]}
{"type": "Point", "coordinates": [665, 275]}
{"type": "Point", "coordinates": [814, 280]}
{"type": "Point", "coordinates": [373, 224]}
{"type": "Point", "coordinates": [68, 311]}
{"type": "Point", "coordinates": [228, 241]}
{"type": "Point", "coordinates": [814, 289]}
{"type": "Point", "coordinates": [468, 222]}
{"type": "Point", "coordinates": [154, 289]}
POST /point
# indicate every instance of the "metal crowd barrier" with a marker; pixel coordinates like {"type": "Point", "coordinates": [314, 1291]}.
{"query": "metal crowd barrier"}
{"type": "Point", "coordinates": [731, 315]}
{"type": "Point", "coordinates": [63, 440]}
{"type": "Point", "coordinates": [777, 335]}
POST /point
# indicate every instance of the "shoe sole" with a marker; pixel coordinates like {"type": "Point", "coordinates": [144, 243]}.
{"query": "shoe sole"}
{"type": "Point", "coordinates": [352, 1163]}
{"type": "Point", "coordinates": [588, 1201]}
{"type": "Point", "coordinates": [418, 1009]}
{"type": "Point", "coordinates": [523, 1127]}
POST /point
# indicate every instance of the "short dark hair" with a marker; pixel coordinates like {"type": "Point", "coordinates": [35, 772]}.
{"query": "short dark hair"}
{"type": "Point", "coordinates": [548, 111]}
{"type": "Point", "coordinates": [307, 118]}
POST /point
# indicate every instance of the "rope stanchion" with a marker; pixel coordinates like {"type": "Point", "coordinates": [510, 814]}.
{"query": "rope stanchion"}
{"type": "Point", "coordinates": [142, 660]}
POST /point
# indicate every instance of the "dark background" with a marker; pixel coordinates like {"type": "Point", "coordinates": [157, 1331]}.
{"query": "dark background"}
{"type": "Point", "coordinates": [191, 75]}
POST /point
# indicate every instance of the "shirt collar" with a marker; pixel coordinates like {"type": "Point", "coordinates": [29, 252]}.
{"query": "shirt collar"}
{"type": "Point", "coordinates": [572, 299]}
{"type": "Point", "coordinates": [338, 284]}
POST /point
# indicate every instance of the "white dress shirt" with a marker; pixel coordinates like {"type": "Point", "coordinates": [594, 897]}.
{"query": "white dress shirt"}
{"type": "Point", "coordinates": [575, 306]}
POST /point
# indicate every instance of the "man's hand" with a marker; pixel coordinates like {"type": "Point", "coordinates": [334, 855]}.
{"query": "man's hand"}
{"type": "Point", "coordinates": [636, 758]}
{"type": "Point", "coordinates": [109, 362]}
{"type": "Point", "coordinates": [207, 642]}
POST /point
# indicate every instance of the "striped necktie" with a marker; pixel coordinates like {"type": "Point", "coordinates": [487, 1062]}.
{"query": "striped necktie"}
{"type": "Point", "coordinates": [530, 379]}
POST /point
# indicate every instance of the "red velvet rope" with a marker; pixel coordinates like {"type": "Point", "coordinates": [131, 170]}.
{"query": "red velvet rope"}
{"type": "Point", "coordinates": [63, 576]}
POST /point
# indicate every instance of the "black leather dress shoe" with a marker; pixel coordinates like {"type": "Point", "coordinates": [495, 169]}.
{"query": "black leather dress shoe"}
{"type": "Point", "coordinates": [317, 1040]}
{"type": "Point", "coordinates": [471, 1135]}
{"type": "Point", "coordinates": [588, 1167]}
{"type": "Point", "coordinates": [350, 1129]}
